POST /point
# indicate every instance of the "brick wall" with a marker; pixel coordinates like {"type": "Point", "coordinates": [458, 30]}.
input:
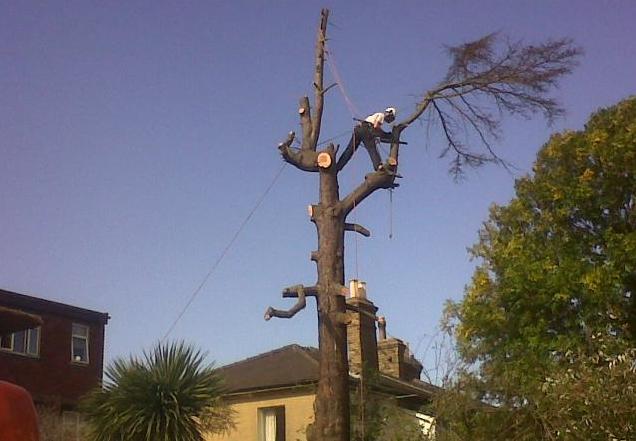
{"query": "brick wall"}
{"type": "Point", "coordinates": [361, 337]}
{"type": "Point", "coordinates": [395, 360]}
{"type": "Point", "coordinates": [52, 376]}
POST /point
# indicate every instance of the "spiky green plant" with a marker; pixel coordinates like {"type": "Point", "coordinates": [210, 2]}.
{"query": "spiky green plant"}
{"type": "Point", "coordinates": [167, 395]}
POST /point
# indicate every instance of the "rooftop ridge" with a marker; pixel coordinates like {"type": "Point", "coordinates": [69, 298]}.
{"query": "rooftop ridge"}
{"type": "Point", "coordinates": [304, 350]}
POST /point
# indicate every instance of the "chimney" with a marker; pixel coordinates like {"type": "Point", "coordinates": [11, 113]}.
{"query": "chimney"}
{"type": "Point", "coordinates": [363, 345]}
{"type": "Point", "coordinates": [382, 327]}
{"type": "Point", "coordinates": [394, 357]}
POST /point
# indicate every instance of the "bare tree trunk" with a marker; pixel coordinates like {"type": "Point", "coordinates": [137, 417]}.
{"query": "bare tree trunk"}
{"type": "Point", "coordinates": [332, 400]}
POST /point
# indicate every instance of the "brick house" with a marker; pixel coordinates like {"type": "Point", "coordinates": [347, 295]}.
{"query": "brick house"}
{"type": "Point", "coordinates": [58, 361]}
{"type": "Point", "coordinates": [273, 393]}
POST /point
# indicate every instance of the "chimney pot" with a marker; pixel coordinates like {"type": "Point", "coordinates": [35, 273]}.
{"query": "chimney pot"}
{"type": "Point", "coordinates": [358, 289]}
{"type": "Point", "coordinates": [361, 331]}
{"type": "Point", "coordinates": [382, 327]}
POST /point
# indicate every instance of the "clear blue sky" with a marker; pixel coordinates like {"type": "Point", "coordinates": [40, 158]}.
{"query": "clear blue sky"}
{"type": "Point", "coordinates": [135, 137]}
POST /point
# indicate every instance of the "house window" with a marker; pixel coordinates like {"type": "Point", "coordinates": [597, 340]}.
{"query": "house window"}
{"type": "Point", "coordinates": [79, 343]}
{"type": "Point", "coordinates": [22, 342]}
{"type": "Point", "coordinates": [271, 423]}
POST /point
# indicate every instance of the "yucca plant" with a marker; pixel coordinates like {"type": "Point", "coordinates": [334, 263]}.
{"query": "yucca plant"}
{"type": "Point", "coordinates": [167, 395]}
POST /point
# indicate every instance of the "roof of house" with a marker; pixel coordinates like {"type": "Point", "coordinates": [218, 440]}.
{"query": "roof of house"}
{"type": "Point", "coordinates": [290, 365]}
{"type": "Point", "coordinates": [295, 365]}
{"type": "Point", "coordinates": [35, 305]}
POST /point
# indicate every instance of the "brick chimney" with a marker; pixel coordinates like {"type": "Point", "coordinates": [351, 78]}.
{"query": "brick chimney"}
{"type": "Point", "coordinates": [394, 357]}
{"type": "Point", "coordinates": [363, 345]}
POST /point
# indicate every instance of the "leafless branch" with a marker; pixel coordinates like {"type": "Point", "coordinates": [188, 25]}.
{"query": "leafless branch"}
{"type": "Point", "coordinates": [318, 78]}
{"type": "Point", "coordinates": [488, 79]}
{"type": "Point", "coordinates": [357, 229]}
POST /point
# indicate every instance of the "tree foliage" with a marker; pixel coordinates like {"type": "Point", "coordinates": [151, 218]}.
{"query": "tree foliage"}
{"type": "Point", "coordinates": [376, 416]}
{"type": "Point", "coordinates": [166, 395]}
{"type": "Point", "coordinates": [549, 320]}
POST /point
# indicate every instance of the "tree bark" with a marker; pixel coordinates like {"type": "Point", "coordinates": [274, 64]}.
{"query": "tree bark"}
{"type": "Point", "coordinates": [332, 399]}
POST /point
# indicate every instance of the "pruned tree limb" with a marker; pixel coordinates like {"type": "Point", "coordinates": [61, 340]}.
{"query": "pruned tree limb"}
{"type": "Point", "coordinates": [372, 182]}
{"type": "Point", "coordinates": [292, 291]}
{"type": "Point", "coordinates": [289, 313]}
{"type": "Point", "coordinates": [357, 229]}
{"type": "Point", "coordinates": [303, 159]}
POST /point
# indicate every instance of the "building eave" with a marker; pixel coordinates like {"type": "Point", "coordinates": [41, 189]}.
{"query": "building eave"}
{"type": "Point", "coordinates": [36, 305]}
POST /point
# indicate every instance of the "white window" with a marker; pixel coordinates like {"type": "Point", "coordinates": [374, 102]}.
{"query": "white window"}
{"type": "Point", "coordinates": [271, 423]}
{"type": "Point", "coordinates": [22, 342]}
{"type": "Point", "coordinates": [79, 343]}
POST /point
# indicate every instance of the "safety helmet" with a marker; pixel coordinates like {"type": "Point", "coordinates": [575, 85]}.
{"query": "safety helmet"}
{"type": "Point", "coordinates": [391, 110]}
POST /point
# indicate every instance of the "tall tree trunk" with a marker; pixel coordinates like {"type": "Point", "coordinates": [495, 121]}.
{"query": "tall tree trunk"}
{"type": "Point", "coordinates": [332, 400]}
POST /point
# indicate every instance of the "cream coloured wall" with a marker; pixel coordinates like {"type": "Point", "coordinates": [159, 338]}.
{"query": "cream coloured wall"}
{"type": "Point", "coordinates": [299, 410]}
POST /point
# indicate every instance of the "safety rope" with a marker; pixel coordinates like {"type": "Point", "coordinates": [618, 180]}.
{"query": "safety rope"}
{"type": "Point", "coordinates": [390, 213]}
{"type": "Point", "coordinates": [224, 252]}
{"type": "Point", "coordinates": [353, 110]}
{"type": "Point", "coordinates": [332, 66]}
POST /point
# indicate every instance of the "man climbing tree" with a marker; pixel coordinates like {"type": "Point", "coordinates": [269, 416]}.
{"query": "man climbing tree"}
{"type": "Point", "coordinates": [368, 131]}
{"type": "Point", "coordinates": [513, 78]}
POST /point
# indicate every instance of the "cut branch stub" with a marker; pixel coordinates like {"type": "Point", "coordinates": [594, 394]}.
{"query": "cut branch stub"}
{"type": "Point", "coordinates": [324, 160]}
{"type": "Point", "coordinates": [303, 159]}
{"type": "Point", "coordinates": [357, 229]}
{"type": "Point", "coordinates": [292, 291]}
{"type": "Point", "coordinates": [289, 313]}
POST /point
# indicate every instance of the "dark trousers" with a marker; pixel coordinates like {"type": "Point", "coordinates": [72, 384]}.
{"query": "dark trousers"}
{"type": "Point", "coordinates": [365, 133]}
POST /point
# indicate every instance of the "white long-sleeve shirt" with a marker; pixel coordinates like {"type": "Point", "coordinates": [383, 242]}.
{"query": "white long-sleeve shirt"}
{"type": "Point", "coordinates": [377, 119]}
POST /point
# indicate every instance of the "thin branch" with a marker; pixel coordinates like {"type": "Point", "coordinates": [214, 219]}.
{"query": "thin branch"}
{"type": "Point", "coordinates": [318, 78]}
{"type": "Point", "coordinates": [329, 87]}
{"type": "Point", "coordinates": [357, 229]}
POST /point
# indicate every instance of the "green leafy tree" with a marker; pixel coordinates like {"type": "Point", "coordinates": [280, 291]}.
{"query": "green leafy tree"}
{"type": "Point", "coordinates": [378, 416]}
{"type": "Point", "coordinates": [549, 321]}
{"type": "Point", "coordinates": [168, 394]}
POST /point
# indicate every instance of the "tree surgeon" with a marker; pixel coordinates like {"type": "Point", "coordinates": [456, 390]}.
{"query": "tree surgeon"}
{"type": "Point", "coordinates": [369, 131]}
{"type": "Point", "coordinates": [512, 78]}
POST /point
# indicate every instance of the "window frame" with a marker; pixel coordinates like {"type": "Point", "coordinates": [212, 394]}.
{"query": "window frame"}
{"type": "Point", "coordinates": [279, 412]}
{"type": "Point", "coordinates": [28, 338]}
{"type": "Point", "coordinates": [86, 339]}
